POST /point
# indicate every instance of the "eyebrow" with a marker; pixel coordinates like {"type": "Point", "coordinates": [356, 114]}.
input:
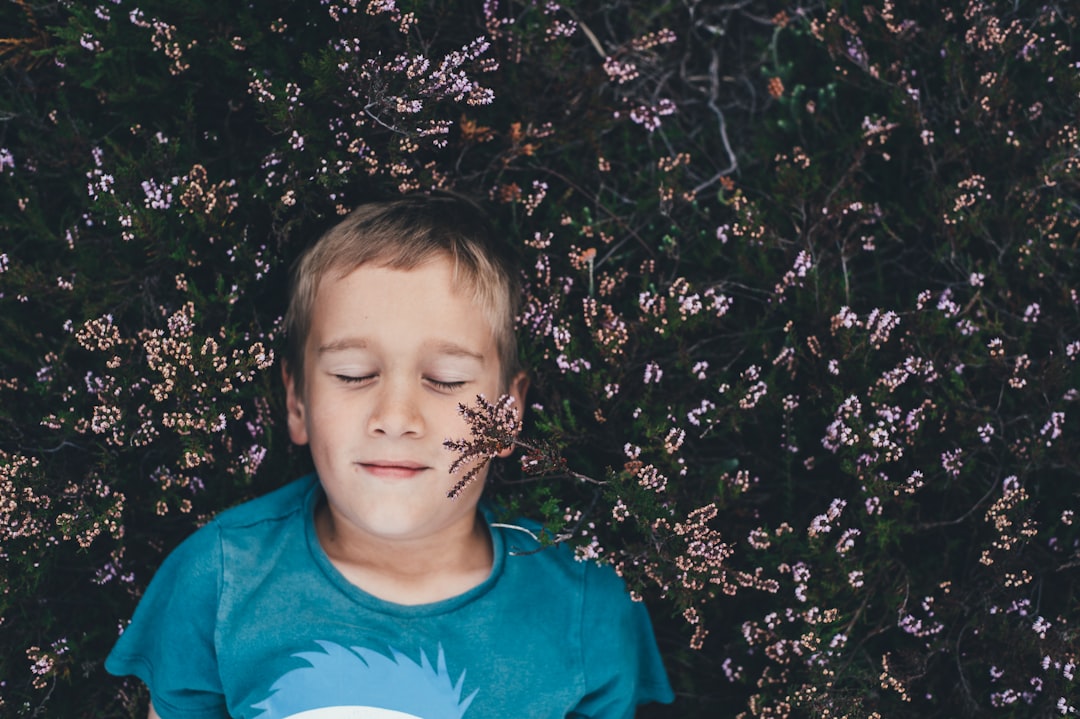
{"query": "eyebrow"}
{"type": "Point", "coordinates": [342, 345]}
{"type": "Point", "coordinates": [442, 347]}
{"type": "Point", "coordinates": [453, 349]}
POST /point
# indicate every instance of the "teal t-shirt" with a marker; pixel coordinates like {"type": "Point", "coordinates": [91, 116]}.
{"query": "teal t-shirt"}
{"type": "Point", "coordinates": [248, 618]}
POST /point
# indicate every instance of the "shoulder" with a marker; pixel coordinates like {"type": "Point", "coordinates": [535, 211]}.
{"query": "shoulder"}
{"type": "Point", "coordinates": [202, 554]}
{"type": "Point", "coordinates": [603, 628]}
{"type": "Point", "coordinates": [283, 503]}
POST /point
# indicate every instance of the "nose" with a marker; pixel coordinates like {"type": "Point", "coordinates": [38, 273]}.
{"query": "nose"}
{"type": "Point", "coordinates": [396, 412]}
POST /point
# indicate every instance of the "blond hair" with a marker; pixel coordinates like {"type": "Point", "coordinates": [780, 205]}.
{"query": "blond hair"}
{"type": "Point", "coordinates": [403, 234]}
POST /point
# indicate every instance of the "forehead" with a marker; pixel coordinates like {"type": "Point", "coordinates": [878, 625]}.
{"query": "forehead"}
{"type": "Point", "coordinates": [428, 302]}
{"type": "Point", "coordinates": [463, 279]}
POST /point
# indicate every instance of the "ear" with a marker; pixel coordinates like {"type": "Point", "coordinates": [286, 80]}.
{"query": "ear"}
{"type": "Point", "coordinates": [294, 405]}
{"type": "Point", "coordinates": [519, 387]}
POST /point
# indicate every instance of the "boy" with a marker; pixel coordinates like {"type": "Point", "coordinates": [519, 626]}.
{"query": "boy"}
{"type": "Point", "coordinates": [363, 591]}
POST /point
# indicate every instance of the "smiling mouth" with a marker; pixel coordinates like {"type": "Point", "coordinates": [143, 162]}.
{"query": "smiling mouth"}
{"type": "Point", "coordinates": [393, 470]}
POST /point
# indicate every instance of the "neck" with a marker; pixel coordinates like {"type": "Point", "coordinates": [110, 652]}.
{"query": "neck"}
{"type": "Point", "coordinates": [408, 571]}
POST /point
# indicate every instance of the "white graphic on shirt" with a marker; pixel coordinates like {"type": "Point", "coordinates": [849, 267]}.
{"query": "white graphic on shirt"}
{"type": "Point", "coordinates": [360, 683]}
{"type": "Point", "coordinates": [353, 713]}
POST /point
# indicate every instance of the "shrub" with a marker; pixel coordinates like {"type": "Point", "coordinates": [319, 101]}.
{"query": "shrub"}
{"type": "Point", "coordinates": [801, 312]}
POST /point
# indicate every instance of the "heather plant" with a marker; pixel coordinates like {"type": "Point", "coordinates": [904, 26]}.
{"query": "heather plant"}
{"type": "Point", "coordinates": [801, 313]}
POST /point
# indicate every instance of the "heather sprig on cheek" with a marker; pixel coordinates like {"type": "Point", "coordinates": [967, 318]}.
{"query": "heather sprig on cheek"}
{"type": "Point", "coordinates": [493, 428]}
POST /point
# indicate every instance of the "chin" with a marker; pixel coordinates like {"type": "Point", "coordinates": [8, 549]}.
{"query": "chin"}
{"type": "Point", "coordinates": [404, 525]}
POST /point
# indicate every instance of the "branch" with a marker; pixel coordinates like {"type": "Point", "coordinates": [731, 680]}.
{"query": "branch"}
{"type": "Point", "coordinates": [714, 92]}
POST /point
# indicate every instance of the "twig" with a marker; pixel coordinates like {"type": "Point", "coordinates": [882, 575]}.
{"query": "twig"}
{"type": "Point", "coordinates": [376, 118]}
{"type": "Point", "coordinates": [714, 92]}
{"type": "Point", "coordinates": [964, 516]}
{"type": "Point", "coordinates": [595, 41]}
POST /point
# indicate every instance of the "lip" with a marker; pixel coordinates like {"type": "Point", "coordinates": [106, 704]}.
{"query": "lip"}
{"type": "Point", "coordinates": [392, 469]}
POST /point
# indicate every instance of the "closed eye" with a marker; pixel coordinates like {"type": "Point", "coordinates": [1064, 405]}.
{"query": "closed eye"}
{"type": "Point", "coordinates": [446, 386]}
{"type": "Point", "coordinates": [349, 379]}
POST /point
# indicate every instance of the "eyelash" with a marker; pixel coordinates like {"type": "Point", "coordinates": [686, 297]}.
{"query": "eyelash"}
{"type": "Point", "coordinates": [445, 385]}
{"type": "Point", "coordinates": [348, 379]}
{"type": "Point", "coordinates": [448, 386]}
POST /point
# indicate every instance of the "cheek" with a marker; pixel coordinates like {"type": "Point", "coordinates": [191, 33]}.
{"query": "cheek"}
{"type": "Point", "coordinates": [451, 423]}
{"type": "Point", "coordinates": [332, 414]}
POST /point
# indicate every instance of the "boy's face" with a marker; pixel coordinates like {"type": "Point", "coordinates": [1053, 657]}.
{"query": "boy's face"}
{"type": "Point", "coordinates": [390, 355]}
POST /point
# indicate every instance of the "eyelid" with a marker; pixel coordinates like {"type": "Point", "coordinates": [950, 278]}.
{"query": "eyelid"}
{"type": "Point", "coordinates": [353, 379]}
{"type": "Point", "coordinates": [440, 384]}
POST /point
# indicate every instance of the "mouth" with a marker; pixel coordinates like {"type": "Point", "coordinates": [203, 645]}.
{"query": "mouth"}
{"type": "Point", "coordinates": [392, 469]}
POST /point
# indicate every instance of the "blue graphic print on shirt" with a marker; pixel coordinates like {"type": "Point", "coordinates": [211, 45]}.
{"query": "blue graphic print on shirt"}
{"type": "Point", "coordinates": [341, 682]}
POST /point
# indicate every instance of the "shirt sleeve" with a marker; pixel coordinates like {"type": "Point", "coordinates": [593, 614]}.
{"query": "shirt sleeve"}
{"type": "Point", "coordinates": [622, 664]}
{"type": "Point", "coordinates": [169, 643]}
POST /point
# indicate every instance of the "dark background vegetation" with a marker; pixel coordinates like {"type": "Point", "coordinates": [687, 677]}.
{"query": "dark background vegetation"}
{"type": "Point", "coordinates": [801, 312]}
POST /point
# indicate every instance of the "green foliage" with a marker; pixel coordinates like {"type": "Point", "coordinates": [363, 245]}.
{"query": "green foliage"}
{"type": "Point", "coordinates": [801, 315]}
